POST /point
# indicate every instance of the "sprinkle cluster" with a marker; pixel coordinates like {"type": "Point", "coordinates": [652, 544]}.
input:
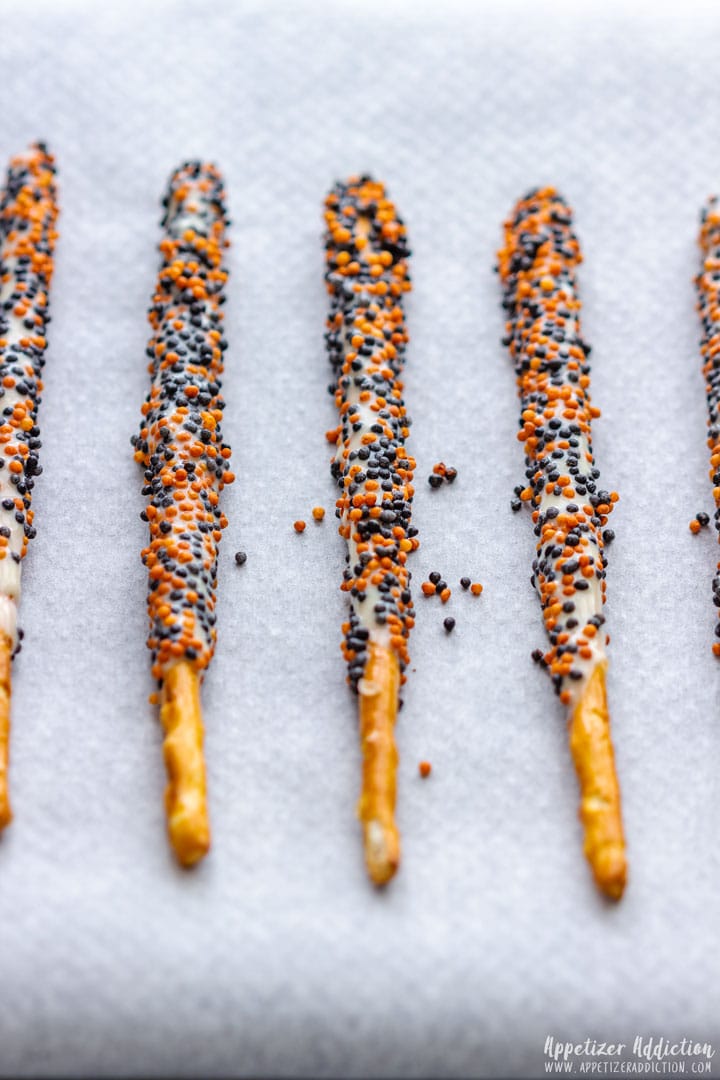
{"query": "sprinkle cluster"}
{"type": "Point", "coordinates": [442, 474]}
{"type": "Point", "coordinates": [28, 214]}
{"type": "Point", "coordinates": [180, 443]}
{"type": "Point", "coordinates": [367, 277]}
{"type": "Point", "coordinates": [708, 288]}
{"type": "Point", "coordinates": [537, 268]}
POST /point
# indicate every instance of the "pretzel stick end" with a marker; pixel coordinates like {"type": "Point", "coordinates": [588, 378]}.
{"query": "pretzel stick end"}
{"type": "Point", "coordinates": [6, 649]}
{"type": "Point", "coordinates": [378, 693]}
{"type": "Point", "coordinates": [600, 812]}
{"type": "Point", "coordinates": [186, 794]}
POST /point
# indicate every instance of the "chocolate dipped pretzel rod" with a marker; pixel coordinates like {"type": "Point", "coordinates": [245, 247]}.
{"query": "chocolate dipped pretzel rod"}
{"type": "Point", "coordinates": [186, 467]}
{"type": "Point", "coordinates": [28, 213]}
{"type": "Point", "coordinates": [570, 510]}
{"type": "Point", "coordinates": [367, 277]}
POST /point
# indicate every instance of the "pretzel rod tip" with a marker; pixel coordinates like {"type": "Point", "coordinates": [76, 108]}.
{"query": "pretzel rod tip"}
{"type": "Point", "coordinates": [592, 752]}
{"type": "Point", "coordinates": [185, 795]}
{"type": "Point", "coordinates": [6, 648]}
{"type": "Point", "coordinates": [378, 694]}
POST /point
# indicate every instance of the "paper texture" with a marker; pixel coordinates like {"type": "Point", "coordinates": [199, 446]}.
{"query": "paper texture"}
{"type": "Point", "coordinates": [276, 957]}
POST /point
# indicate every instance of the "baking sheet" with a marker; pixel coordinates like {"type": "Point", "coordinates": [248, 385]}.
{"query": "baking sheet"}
{"type": "Point", "coordinates": [275, 957]}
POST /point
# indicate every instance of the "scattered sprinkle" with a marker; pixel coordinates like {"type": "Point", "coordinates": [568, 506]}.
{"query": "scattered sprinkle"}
{"type": "Point", "coordinates": [299, 526]}
{"type": "Point", "coordinates": [465, 582]}
{"type": "Point", "coordinates": [449, 624]}
{"type": "Point", "coordinates": [476, 588]}
{"type": "Point", "coordinates": [424, 768]}
{"type": "Point", "coordinates": [442, 472]}
{"type": "Point", "coordinates": [240, 558]}
{"type": "Point", "coordinates": [318, 513]}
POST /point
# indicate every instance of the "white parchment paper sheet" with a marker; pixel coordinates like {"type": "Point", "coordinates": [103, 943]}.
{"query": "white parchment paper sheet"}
{"type": "Point", "coordinates": [275, 956]}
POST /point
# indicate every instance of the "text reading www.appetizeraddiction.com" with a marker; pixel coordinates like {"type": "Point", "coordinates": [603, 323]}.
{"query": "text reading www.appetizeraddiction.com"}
{"type": "Point", "coordinates": [643, 1056]}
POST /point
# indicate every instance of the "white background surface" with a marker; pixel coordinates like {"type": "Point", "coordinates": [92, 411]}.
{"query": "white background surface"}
{"type": "Point", "coordinates": [275, 956]}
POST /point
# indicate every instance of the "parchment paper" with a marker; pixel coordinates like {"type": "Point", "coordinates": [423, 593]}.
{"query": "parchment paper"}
{"type": "Point", "coordinates": [276, 957]}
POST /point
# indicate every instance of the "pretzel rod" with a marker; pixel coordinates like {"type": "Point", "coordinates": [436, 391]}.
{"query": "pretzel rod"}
{"type": "Point", "coordinates": [186, 468]}
{"type": "Point", "coordinates": [378, 693]}
{"type": "Point", "coordinates": [28, 213]}
{"type": "Point", "coordinates": [367, 277]}
{"type": "Point", "coordinates": [708, 288]}
{"type": "Point", "coordinates": [570, 511]}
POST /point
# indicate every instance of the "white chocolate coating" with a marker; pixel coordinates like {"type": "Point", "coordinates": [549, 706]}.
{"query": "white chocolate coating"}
{"type": "Point", "coordinates": [28, 212]}
{"type": "Point", "coordinates": [537, 266]}
{"type": "Point", "coordinates": [367, 277]}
